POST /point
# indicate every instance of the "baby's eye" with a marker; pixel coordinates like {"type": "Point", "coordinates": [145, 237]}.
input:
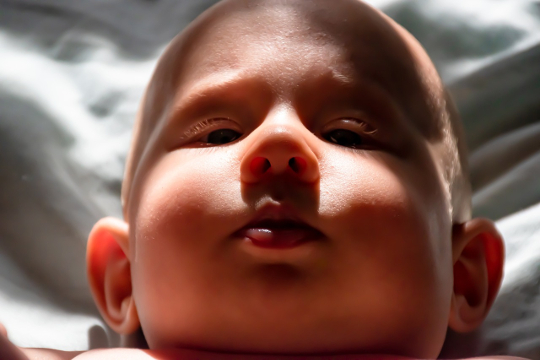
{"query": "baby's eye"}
{"type": "Point", "coordinates": [221, 136]}
{"type": "Point", "coordinates": [344, 138]}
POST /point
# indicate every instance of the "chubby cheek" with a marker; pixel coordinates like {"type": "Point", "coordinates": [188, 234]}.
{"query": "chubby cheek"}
{"type": "Point", "coordinates": [393, 239]}
{"type": "Point", "coordinates": [184, 210]}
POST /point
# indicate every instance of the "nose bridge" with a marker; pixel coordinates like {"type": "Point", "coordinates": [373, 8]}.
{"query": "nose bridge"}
{"type": "Point", "coordinates": [279, 140]}
{"type": "Point", "coordinates": [279, 147]}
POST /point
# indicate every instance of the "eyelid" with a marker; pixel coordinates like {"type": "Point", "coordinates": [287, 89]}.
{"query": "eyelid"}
{"type": "Point", "coordinates": [353, 124]}
{"type": "Point", "coordinates": [203, 126]}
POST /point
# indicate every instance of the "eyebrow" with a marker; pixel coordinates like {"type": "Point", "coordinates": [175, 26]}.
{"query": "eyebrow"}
{"type": "Point", "coordinates": [217, 89]}
{"type": "Point", "coordinates": [340, 87]}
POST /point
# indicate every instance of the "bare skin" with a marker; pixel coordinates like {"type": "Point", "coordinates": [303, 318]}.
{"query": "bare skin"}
{"type": "Point", "coordinates": [11, 352]}
{"type": "Point", "coordinates": [286, 197]}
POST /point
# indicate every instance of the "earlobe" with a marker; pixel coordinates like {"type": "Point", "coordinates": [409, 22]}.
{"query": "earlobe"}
{"type": "Point", "coordinates": [478, 258]}
{"type": "Point", "coordinates": [109, 274]}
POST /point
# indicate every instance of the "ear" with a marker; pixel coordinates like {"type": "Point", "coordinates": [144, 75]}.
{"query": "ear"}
{"type": "Point", "coordinates": [109, 274]}
{"type": "Point", "coordinates": [478, 258]}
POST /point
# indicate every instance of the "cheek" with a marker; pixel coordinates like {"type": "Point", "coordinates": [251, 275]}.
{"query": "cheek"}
{"type": "Point", "coordinates": [172, 236]}
{"type": "Point", "coordinates": [381, 197]}
{"type": "Point", "coordinates": [180, 195]}
{"type": "Point", "coordinates": [364, 188]}
{"type": "Point", "coordinates": [393, 237]}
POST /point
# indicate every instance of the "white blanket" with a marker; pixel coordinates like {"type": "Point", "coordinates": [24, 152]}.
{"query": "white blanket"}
{"type": "Point", "coordinates": [72, 74]}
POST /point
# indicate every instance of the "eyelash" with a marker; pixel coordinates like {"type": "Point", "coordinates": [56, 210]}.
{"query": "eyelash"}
{"type": "Point", "coordinates": [361, 125]}
{"type": "Point", "coordinates": [349, 133]}
{"type": "Point", "coordinates": [196, 131]}
{"type": "Point", "coordinates": [203, 126]}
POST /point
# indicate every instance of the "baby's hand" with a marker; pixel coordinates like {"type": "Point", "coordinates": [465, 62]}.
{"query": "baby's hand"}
{"type": "Point", "coordinates": [7, 349]}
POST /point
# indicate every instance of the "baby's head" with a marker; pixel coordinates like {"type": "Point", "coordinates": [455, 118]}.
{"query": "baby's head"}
{"type": "Point", "coordinates": [297, 183]}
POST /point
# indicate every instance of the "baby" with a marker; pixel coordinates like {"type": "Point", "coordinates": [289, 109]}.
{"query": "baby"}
{"type": "Point", "coordinates": [297, 185]}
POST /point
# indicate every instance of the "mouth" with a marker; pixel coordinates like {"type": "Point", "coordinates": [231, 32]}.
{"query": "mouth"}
{"type": "Point", "coordinates": [278, 228]}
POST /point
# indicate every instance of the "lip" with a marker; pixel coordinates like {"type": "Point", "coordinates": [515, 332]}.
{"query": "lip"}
{"type": "Point", "coordinates": [278, 227]}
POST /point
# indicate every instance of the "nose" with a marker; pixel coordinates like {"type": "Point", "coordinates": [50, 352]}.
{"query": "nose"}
{"type": "Point", "coordinates": [279, 149]}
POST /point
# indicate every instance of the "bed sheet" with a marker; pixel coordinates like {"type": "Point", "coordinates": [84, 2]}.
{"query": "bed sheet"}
{"type": "Point", "coordinates": [72, 74]}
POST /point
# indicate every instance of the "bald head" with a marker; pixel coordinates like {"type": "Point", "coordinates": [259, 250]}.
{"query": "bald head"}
{"type": "Point", "coordinates": [249, 36]}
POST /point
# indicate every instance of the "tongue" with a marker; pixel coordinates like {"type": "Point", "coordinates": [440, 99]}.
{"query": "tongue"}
{"type": "Point", "coordinates": [277, 237]}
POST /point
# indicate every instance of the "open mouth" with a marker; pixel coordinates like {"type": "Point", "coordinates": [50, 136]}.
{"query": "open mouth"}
{"type": "Point", "coordinates": [279, 233]}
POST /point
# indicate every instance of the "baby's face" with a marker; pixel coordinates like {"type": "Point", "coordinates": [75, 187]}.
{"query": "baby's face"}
{"type": "Point", "coordinates": [289, 200]}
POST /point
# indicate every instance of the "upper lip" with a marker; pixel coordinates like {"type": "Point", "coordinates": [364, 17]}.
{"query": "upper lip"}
{"type": "Point", "coordinates": [276, 216]}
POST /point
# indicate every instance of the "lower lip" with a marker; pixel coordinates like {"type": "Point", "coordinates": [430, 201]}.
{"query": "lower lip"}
{"type": "Point", "coordinates": [276, 238]}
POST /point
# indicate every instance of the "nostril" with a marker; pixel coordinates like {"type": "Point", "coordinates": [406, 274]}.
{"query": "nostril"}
{"type": "Point", "coordinates": [260, 165]}
{"type": "Point", "coordinates": [297, 164]}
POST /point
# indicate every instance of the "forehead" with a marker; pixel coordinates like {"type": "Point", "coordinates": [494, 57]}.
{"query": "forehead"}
{"type": "Point", "coordinates": [286, 43]}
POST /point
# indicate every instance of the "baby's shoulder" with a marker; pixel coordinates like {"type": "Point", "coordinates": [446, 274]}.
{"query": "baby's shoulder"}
{"type": "Point", "coordinates": [137, 354]}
